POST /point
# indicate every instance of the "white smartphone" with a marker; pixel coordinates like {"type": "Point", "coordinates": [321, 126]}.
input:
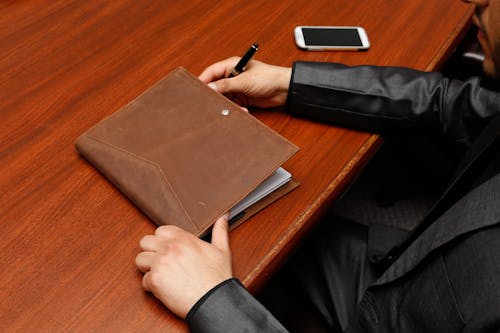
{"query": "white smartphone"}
{"type": "Point", "coordinates": [324, 38]}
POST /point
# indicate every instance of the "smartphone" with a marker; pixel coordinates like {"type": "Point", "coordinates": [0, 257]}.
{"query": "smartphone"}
{"type": "Point", "coordinates": [324, 38]}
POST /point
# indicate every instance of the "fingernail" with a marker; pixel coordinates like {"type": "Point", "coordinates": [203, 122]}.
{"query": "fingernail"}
{"type": "Point", "coordinates": [212, 85]}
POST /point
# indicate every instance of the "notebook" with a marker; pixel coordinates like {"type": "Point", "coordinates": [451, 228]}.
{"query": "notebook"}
{"type": "Point", "coordinates": [185, 155]}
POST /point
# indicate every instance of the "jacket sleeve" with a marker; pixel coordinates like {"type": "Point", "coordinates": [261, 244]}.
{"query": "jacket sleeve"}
{"type": "Point", "coordinates": [391, 100]}
{"type": "Point", "coordinates": [229, 307]}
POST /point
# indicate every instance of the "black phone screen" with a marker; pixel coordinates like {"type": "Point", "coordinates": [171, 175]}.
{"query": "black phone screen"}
{"type": "Point", "coordinates": [331, 37]}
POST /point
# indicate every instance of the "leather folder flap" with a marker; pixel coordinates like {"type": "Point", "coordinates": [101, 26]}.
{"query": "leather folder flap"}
{"type": "Point", "coordinates": [140, 180]}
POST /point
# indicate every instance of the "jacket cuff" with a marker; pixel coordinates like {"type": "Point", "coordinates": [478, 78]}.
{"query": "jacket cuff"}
{"type": "Point", "coordinates": [289, 100]}
{"type": "Point", "coordinates": [229, 307]}
{"type": "Point", "coordinates": [202, 300]}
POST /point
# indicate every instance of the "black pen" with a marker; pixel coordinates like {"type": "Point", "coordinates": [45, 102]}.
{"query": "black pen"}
{"type": "Point", "coordinates": [240, 66]}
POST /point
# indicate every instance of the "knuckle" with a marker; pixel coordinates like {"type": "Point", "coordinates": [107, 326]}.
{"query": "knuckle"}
{"type": "Point", "coordinates": [163, 261]}
{"type": "Point", "coordinates": [166, 230]}
{"type": "Point", "coordinates": [223, 86]}
{"type": "Point", "coordinates": [155, 279]}
{"type": "Point", "coordinates": [175, 249]}
{"type": "Point", "coordinates": [161, 229]}
{"type": "Point", "coordinates": [145, 281]}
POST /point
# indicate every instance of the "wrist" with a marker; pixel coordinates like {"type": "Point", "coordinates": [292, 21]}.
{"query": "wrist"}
{"type": "Point", "coordinates": [281, 78]}
{"type": "Point", "coordinates": [285, 76]}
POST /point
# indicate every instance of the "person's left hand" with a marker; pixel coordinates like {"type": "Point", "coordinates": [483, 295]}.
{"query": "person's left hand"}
{"type": "Point", "coordinates": [180, 268]}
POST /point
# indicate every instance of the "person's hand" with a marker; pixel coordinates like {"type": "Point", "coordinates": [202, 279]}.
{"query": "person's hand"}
{"type": "Point", "coordinates": [180, 268]}
{"type": "Point", "coordinates": [260, 85]}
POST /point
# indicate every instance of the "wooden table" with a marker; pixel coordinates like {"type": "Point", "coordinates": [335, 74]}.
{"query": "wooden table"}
{"type": "Point", "coordinates": [69, 238]}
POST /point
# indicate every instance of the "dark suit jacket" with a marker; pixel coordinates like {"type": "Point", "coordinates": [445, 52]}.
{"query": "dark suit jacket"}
{"type": "Point", "coordinates": [443, 277]}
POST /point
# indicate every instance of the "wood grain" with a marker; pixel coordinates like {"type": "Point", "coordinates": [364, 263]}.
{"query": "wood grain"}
{"type": "Point", "coordinates": [69, 238]}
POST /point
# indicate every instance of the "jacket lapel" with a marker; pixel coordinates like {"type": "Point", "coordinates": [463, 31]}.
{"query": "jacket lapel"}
{"type": "Point", "coordinates": [478, 209]}
{"type": "Point", "coordinates": [483, 142]}
{"type": "Point", "coordinates": [464, 216]}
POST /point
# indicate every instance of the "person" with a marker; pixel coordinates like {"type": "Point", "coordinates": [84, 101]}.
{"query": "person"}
{"type": "Point", "coordinates": [443, 276]}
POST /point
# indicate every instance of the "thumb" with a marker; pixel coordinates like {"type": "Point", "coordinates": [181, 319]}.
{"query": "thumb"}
{"type": "Point", "coordinates": [220, 234]}
{"type": "Point", "coordinates": [228, 85]}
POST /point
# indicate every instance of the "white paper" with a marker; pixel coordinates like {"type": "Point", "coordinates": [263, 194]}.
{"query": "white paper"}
{"type": "Point", "coordinates": [279, 178]}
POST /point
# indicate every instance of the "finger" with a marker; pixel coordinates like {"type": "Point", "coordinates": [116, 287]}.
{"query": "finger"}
{"type": "Point", "coordinates": [168, 231]}
{"type": "Point", "coordinates": [218, 70]}
{"type": "Point", "coordinates": [220, 233]}
{"type": "Point", "coordinates": [153, 243]}
{"type": "Point", "coordinates": [146, 281]}
{"type": "Point", "coordinates": [144, 260]}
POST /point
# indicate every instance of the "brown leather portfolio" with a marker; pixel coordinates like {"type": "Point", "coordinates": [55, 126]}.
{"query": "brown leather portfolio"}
{"type": "Point", "coordinates": [183, 153]}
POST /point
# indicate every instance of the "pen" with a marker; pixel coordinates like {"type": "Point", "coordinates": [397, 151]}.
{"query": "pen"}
{"type": "Point", "coordinates": [240, 66]}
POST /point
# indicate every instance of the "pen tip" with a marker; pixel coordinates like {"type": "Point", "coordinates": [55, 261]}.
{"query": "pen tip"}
{"type": "Point", "coordinates": [256, 45]}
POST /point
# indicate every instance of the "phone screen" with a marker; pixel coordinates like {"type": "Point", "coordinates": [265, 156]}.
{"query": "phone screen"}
{"type": "Point", "coordinates": [333, 37]}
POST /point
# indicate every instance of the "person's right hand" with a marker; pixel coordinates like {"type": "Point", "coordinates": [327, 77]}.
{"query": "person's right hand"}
{"type": "Point", "coordinates": [260, 85]}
